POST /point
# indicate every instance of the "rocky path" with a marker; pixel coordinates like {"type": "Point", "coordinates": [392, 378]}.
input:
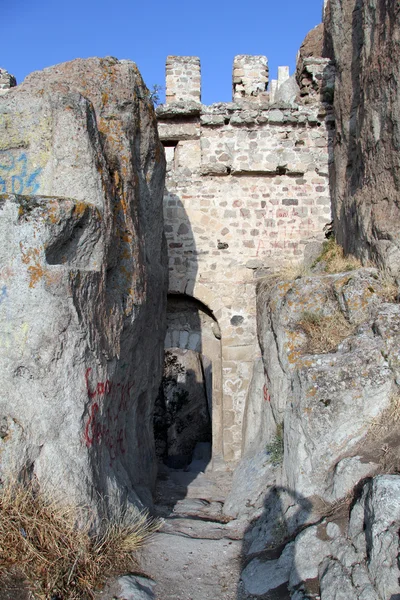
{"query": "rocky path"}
{"type": "Point", "coordinates": [196, 554]}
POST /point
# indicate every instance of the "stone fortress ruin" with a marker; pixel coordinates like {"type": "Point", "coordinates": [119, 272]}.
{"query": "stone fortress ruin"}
{"type": "Point", "coordinates": [114, 278]}
{"type": "Point", "coordinates": [246, 190]}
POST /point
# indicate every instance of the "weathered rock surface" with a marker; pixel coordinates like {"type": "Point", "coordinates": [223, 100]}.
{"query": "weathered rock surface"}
{"type": "Point", "coordinates": [335, 394]}
{"type": "Point", "coordinates": [7, 80]}
{"type": "Point", "coordinates": [258, 424]}
{"type": "Point", "coordinates": [315, 72]}
{"type": "Point", "coordinates": [128, 587]}
{"type": "Point", "coordinates": [328, 400]}
{"type": "Point", "coordinates": [288, 91]}
{"type": "Point", "coordinates": [83, 281]}
{"type": "Point", "coordinates": [363, 38]}
{"type": "Point", "coordinates": [335, 562]}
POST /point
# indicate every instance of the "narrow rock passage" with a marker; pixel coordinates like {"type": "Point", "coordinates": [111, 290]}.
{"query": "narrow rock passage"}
{"type": "Point", "coordinates": [196, 554]}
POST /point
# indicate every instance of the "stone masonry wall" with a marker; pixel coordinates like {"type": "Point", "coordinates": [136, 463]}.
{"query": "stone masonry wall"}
{"type": "Point", "coordinates": [246, 190]}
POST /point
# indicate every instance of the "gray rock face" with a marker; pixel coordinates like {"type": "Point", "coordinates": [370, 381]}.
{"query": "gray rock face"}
{"type": "Point", "coordinates": [258, 424]}
{"type": "Point", "coordinates": [82, 279]}
{"type": "Point", "coordinates": [365, 175]}
{"type": "Point", "coordinates": [263, 576]}
{"type": "Point", "coordinates": [381, 519]}
{"type": "Point", "coordinates": [251, 483]}
{"type": "Point", "coordinates": [358, 564]}
{"type": "Point", "coordinates": [7, 80]}
{"type": "Point", "coordinates": [327, 400]}
{"type": "Point", "coordinates": [128, 587]}
{"type": "Point", "coordinates": [364, 565]}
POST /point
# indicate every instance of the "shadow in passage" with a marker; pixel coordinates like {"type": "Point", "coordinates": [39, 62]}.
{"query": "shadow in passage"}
{"type": "Point", "coordinates": [269, 539]}
{"type": "Point", "coordinates": [182, 427]}
{"type": "Point", "coordinates": [183, 416]}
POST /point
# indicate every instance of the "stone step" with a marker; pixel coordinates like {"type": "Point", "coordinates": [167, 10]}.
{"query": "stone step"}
{"type": "Point", "coordinates": [205, 530]}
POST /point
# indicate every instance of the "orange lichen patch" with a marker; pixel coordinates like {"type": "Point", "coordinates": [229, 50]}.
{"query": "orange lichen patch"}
{"type": "Point", "coordinates": [36, 272]}
{"type": "Point", "coordinates": [126, 236]}
{"type": "Point", "coordinates": [305, 363]}
{"type": "Point", "coordinates": [80, 209]}
{"type": "Point", "coordinates": [292, 348]}
{"type": "Point", "coordinates": [342, 281]}
{"type": "Point", "coordinates": [117, 179]}
{"type": "Point", "coordinates": [312, 392]}
{"type": "Point", "coordinates": [53, 213]}
{"type": "Point", "coordinates": [28, 255]}
{"type": "Point", "coordinates": [104, 98]}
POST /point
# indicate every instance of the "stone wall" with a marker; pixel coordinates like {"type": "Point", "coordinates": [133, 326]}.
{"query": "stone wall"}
{"type": "Point", "coordinates": [246, 190]}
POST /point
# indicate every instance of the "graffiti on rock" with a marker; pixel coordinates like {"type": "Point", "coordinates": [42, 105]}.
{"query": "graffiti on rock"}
{"type": "Point", "coordinates": [16, 176]}
{"type": "Point", "coordinates": [107, 414]}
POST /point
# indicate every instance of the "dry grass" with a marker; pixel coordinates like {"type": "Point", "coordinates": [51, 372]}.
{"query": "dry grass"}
{"type": "Point", "coordinates": [389, 291]}
{"type": "Point", "coordinates": [41, 539]}
{"type": "Point", "coordinates": [293, 270]}
{"type": "Point", "coordinates": [334, 260]}
{"type": "Point", "coordinates": [388, 420]}
{"type": "Point", "coordinates": [382, 442]}
{"type": "Point", "coordinates": [323, 333]}
{"type": "Point", "coordinates": [337, 508]}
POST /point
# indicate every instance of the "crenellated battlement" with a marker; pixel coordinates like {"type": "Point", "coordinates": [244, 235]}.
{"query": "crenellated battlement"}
{"type": "Point", "coordinates": [183, 81]}
{"type": "Point", "coordinates": [250, 79]}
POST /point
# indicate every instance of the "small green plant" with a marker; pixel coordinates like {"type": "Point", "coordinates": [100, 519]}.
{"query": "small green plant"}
{"type": "Point", "coordinates": [276, 447]}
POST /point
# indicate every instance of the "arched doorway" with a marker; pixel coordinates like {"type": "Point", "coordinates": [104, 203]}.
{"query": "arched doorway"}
{"type": "Point", "coordinates": [188, 412]}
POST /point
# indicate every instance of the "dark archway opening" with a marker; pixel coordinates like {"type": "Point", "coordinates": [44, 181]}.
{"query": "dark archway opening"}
{"type": "Point", "coordinates": [184, 411]}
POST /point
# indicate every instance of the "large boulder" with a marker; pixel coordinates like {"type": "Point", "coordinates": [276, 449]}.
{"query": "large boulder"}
{"type": "Point", "coordinates": [330, 349]}
{"type": "Point", "coordinates": [363, 38]}
{"type": "Point", "coordinates": [83, 281]}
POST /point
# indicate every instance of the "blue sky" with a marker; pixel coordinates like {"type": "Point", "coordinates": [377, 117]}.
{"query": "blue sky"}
{"type": "Point", "coordinates": [38, 33]}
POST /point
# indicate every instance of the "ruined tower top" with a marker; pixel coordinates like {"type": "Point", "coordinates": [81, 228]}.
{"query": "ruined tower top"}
{"type": "Point", "coordinates": [249, 81]}
{"type": "Point", "coordinates": [183, 81]}
{"type": "Point", "coordinates": [250, 77]}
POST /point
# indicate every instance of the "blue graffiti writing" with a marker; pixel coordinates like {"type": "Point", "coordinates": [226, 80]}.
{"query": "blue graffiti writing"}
{"type": "Point", "coordinates": [15, 175]}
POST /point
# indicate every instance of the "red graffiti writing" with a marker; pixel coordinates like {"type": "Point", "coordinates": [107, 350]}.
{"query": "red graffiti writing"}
{"type": "Point", "coordinates": [106, 422]}
{"type": "Point", "coordinates": [267, 397]}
